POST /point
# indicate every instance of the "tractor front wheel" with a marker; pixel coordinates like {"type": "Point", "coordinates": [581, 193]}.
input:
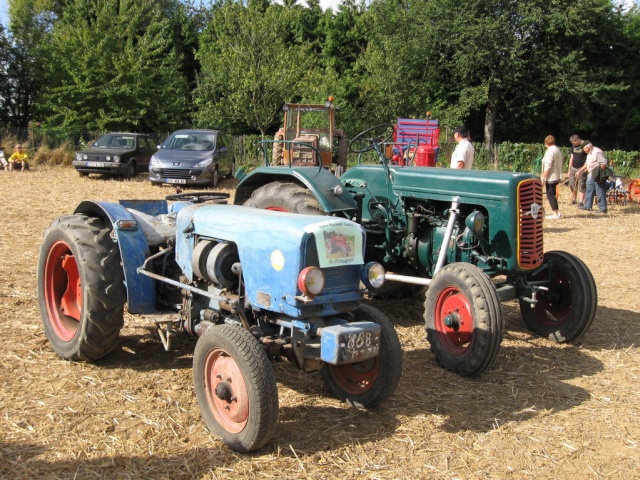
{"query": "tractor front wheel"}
{"type": "Point", "coordinates": [367, 384]}
{"type": "Point", "coordinates": [236, 387]}
{"type": "Point", "coordinates": [284, 197]}
{"type": "Point", "coordinates": [81, 289]}
{"type": "Point", "coordinates": [566, 309]}
{"type": "Point", "coordinates": [463, 319]}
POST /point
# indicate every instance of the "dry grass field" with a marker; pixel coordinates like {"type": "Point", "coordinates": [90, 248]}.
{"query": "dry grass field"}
{"type": "Point", "coordinates": [542, 411]}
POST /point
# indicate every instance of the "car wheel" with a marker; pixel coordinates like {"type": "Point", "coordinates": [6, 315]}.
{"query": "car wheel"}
{"type": "Point", "coordinates": [214, 178]}
{"type": "Point", "coordinates": [130, 172]}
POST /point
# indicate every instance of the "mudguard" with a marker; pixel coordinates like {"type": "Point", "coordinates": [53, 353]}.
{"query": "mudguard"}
{"type": "Point", "coordinates": [320, 181]}
{"type": "Point", "coordinates": [134, 249]}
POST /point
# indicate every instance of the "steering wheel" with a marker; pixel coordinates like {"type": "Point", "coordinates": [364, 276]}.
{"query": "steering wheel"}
{"type": "Point", "coordinates": [371, 137]}
{"type": "Point", "coordinates": [200, 197]}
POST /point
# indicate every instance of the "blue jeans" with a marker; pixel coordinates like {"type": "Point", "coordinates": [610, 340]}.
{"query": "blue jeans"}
{"type": "Point", "coordinates": [595, 189]}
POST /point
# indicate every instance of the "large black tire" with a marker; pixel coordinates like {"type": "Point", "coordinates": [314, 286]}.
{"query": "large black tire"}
{"type": "Point", "coordinates": [81, 289]}
{"type": "Point", "coordinates": [565, 311]}
{"type": "Point", "coordinates": [284, 197]}
{"type": "Point", "coordinates": [277, 156]}
{"type": "Point", "coordinates": [236, 387]}
{"type": "Point", "coordinates": [463, 319]}
{"type": "Point", "coordinates": [343, 153]}
{"type": "Point", "coordinates": [369, 383]}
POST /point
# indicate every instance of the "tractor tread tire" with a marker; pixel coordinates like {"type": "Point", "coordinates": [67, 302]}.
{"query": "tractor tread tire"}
{"type": "Point", "coordinates": [102, 284]}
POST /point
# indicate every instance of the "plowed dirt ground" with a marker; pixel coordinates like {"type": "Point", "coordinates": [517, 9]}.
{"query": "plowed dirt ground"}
{"type": "Point", "coordinates": [542, 410]}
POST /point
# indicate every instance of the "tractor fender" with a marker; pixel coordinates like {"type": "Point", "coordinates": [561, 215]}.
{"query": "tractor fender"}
{"type": "Point", "coordinates": [323, 184]}
{"type": "Point", "coordinates": [134, 249]}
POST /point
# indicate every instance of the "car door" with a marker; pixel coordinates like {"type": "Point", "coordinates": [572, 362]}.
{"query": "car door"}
{"type": "Point", "coordinates": [144, 153]}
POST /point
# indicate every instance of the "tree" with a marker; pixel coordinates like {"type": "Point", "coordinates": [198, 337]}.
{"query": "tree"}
{"type": "Point", "coordinates": [248, 71]}
{"type": "Point", "coordinates": [28, 54]}
{"type": "Point", "coordinates": [520, 57]}
{"type": "Point", "coordinates": [114, 67]}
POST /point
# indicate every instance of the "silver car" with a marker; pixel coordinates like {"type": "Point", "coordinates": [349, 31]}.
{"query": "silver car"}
{"type": "Point", "coordinates": [192, 157]}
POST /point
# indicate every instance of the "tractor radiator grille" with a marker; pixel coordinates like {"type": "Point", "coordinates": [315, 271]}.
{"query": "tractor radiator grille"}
{"type": "Point", "coordinates": [336, 278]}
{"type": "Point", "coordinates": [530, 244]}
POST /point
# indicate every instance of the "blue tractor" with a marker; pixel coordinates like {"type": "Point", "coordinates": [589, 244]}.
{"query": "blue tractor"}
{"type": "Point", "coordinates": [253, 285]}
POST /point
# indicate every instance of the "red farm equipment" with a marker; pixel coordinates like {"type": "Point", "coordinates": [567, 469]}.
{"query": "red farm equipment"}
{"type": "Point", "coordinates": [415, 142]}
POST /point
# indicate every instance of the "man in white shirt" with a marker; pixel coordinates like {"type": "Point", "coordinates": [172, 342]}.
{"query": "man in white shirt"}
{"type": "Point", "coordinates": [462, 156]}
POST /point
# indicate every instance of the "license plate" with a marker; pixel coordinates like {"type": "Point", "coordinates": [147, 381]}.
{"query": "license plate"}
{"type": "Point", "coordinates": [176, 180]}
{"type": "Point", "coordinates": [95, 164]}
{"type": "Point", "coordinates": [350, 342]}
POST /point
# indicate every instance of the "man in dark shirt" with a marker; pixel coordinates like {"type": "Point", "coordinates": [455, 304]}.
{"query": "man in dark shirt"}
{"type": "Point", "coordinates": [577, 184]}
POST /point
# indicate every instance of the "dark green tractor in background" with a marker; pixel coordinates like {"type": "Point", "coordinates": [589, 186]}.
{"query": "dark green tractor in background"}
{"type": "Point", "coordinates": [475, 238]}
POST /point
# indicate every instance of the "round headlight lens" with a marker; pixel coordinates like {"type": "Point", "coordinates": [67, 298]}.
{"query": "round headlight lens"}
{"type": "Point", "coordinates": [475, 222]}
{"type": "Point", "coordinates": [116, 158]}
{"type": "Point", "coordinates": [85, 156]}
{"type": "Point", "coordinates": [311, 281]}
{"type": "Point", "coordinates": [373, 275]}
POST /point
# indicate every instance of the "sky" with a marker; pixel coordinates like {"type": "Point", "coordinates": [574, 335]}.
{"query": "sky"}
{"type": "Point", "coordinates": [4, 7]}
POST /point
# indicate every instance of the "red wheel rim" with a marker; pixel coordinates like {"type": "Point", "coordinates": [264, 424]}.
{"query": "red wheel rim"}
{"type": "Point", "coordinates": [454, 320]}
{"type": "Point", "coordinates": [62, 291]}
{"type": "Point", "coordinates": [356, 378]}
{"type": "Point", "coordinates": [226, 389]}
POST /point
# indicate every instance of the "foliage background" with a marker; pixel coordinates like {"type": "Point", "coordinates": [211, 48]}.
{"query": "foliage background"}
{"type": "Point", "coordinates": [513, 72]}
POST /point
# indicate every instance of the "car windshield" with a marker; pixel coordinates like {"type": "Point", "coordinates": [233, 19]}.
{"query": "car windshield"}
{"type": "Point", "coordinates": [115, 141]}
{"type": "Point", "coordinates": [195, 141]}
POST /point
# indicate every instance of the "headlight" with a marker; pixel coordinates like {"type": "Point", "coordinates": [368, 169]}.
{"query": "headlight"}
{"type": "Point", "coordinates": [85, 156]}
{"type": "Point", "coordinates": [154, 161]}
{"type": "Point", "coordinates": [311, 281]}
{"type": "Point", "coordinates": [475, 222]}
{"type": "Point", "coordinates": [204, 163]}
{"type": "Point", "coordinates": [116, 158]}
{"type": "Point", "coordinates": [108, 158]}
{"type": "Point", "coordinates": [78, 156]}
{"type": "Point", "coordinates": [373, 275]}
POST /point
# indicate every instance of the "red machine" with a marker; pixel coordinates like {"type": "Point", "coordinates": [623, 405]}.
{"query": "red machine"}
{"type": "Point", "coordinates": [415, 142]}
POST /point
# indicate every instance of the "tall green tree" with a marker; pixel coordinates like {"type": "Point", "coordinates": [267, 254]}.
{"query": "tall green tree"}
{"type": "Point", "coordinates": [248, 69]}
{"type": "Point", "coordinates": [114, 67]}
{"type": "Point", "coordinates": [30, 27]}
{"type": "Point", "coordinates": [520, 56]}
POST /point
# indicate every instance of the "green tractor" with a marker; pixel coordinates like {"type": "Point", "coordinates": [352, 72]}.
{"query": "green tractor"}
{"type": "Point", "coordinates": [474, 238]}
{"type": "Point", "coordinates": [310, 138]}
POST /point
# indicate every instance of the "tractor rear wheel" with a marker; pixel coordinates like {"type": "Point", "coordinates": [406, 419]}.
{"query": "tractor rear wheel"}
{"type": "Point", "coordinates": [566, 310]}
{"type": "Point", "coordinates": [369, 383]}
{"type": "Point", "coordinates": [81, 289]}
{"type": "Point", "coordinates": [463, 319]}
{"type": "Point", "coordinates": [236, 387]}
{"type": "Point", "coordinates": [284, 197]}
{"type": "Point", "coordinates": [277, 157]}
{"type": "Point", "coordinates": [343, 153]}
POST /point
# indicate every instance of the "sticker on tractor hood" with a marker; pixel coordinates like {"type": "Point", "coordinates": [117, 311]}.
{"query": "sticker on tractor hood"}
{"type": "Point", "coordinates": [338, 243]}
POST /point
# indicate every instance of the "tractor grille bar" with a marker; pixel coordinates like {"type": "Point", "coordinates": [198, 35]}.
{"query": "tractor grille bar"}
{"type": "Point", "coordinates": [336, 278]}
{"type": "Point", "coordinates": [530, 243]}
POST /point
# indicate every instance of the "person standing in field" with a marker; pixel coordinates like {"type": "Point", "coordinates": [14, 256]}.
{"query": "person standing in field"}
{"type": "Point", "coordinates": [552, 173]}
{"type": "Point", "coordinates": [462, 156]}
{"type": "Point", "coordinates": [595, 159]}
{"type": "Point", "coordinates": [577, 184]}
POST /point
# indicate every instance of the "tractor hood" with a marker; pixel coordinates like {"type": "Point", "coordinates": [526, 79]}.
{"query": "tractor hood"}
{"type": "Point", "coordinates": [273, 246]}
